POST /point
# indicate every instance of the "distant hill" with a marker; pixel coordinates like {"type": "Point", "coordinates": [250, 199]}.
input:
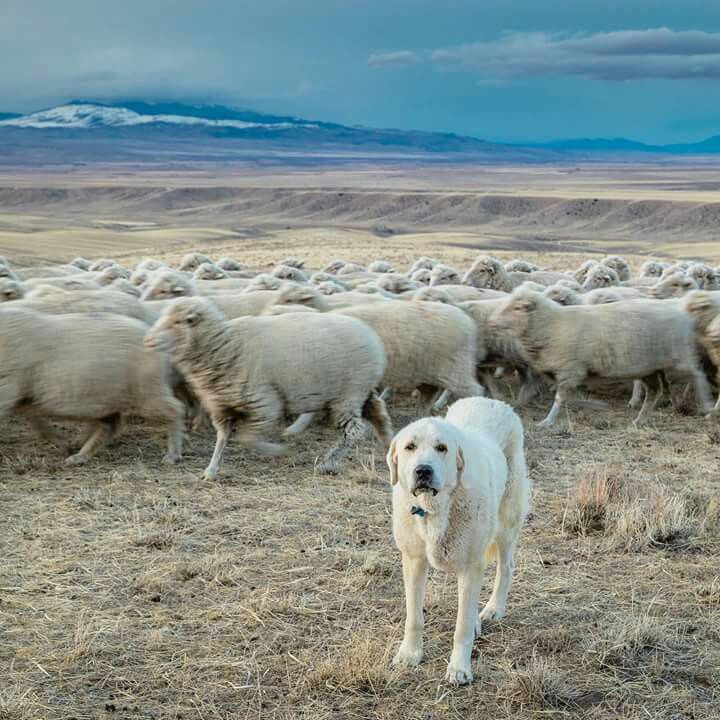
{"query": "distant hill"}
{"type": "Point", "coordinates": [84, 131]}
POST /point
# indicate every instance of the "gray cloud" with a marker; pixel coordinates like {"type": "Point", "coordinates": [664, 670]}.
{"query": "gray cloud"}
{"type": "Point", "coordinates": [658, 53]}
{"type": "Point", "coordinates": [400, 57]}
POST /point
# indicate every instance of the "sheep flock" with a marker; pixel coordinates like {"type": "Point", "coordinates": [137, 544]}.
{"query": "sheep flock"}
{"type": "Point", "coordinates": [265, 354]}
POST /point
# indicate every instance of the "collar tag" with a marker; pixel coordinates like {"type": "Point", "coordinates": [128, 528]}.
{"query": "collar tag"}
{"type": "Point", "coordinates": [416, 510]}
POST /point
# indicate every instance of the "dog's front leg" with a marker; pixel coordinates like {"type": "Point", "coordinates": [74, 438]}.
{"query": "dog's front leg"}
{"type": "Point", "coordinates": [415, 573]}
{"type": "Point", "coordinates": [459, 670]}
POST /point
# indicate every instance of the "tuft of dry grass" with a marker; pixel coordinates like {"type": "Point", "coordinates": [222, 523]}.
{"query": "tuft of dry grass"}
{"type": "Point", "coordinates": [634, 512]}
{"type": "Point", "coordinates": [539, 684]}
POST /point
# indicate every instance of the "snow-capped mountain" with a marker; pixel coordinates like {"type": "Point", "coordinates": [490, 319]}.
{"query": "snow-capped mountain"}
{"type": "Point", "coordinates": [93, 115]}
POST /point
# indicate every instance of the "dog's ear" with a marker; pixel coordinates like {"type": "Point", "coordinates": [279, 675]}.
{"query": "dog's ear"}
{"type": "Point", "coordinates": [391, 460]}
{"type": "Point", "coordinates": [460, 463]}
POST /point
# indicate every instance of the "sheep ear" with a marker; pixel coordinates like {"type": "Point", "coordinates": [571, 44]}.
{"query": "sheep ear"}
{"type": "Point", "coordinates": [460, 463]}
{"type": "Point", "coordinates": [391, 460]}
{"type": "Point", "coordinates": [528, 305]}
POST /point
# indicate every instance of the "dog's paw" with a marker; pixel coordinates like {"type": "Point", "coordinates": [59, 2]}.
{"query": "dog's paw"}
{"type": "Point", "coordinates": [408, 657]}
{"type": "Point", "coordinates": [76, 459]}
{"type": "Point", "coordinates": [492, 612]}
{"type": "Point", "coordinates": [459, 674]}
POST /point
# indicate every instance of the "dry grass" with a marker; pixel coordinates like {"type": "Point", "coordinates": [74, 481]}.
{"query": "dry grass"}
{"type": "Point", "coordinates": [132, 590]}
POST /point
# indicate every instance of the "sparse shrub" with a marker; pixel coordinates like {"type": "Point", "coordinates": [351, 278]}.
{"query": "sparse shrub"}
{"type": "Point", "coordinates": [596, 490]}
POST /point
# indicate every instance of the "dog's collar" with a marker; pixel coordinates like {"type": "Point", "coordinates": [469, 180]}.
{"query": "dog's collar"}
{"type": "Point", "coordinates": [417, 510]}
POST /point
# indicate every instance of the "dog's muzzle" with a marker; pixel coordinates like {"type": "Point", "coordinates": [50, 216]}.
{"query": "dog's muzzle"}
{"type": "Point", "coordinates": [423, 476]}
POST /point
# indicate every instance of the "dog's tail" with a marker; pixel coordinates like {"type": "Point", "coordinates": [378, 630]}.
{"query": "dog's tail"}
{"type": "Point", "coordinates": [375, 412]}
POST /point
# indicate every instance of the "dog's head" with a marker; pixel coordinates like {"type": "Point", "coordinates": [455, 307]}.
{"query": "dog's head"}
{"type": "Point", "coordinates": [426, 457]}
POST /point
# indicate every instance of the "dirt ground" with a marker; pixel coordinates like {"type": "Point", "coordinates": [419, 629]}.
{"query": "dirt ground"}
{"type": "Point", "coordinates": [131, 590]}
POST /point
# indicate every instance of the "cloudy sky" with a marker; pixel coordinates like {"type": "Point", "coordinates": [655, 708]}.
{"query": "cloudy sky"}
{"type": "Point", "coordinates": [497, 69]}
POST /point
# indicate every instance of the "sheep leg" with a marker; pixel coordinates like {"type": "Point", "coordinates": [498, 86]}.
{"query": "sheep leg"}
{"type": "Point", "coordinates": [488, 380]}
{"type": "Point", "coordinates": [529, 388]}
{"type": "Point", "coordinates": [429, 394]}
{"type": "Point", "coordinates": [47, 433]}
{"type": "Point", "coordinates": [637, 395]}
{"type": "Point", "coordinates": [442, 401]}
{"type": "Point", "coordinates": [353, 430]}
{"type": "Point", "coordinates": [223, 429]}
{"type": "Point", "coordinates": [103, 432]}
{"type": "Point", "coordinates": [300, 425]}
{"type": "Point", "coordinates": [653, 392]}
{"type": "Point", "coordinates": [561, 395]}
{"type": "Point", "coordinates": [375, 412]}
{"type": "Point", "coordinates": [468, 388]}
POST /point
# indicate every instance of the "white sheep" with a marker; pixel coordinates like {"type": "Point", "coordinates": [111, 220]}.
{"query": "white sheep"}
{"type": "Point", "coordinates": [653, 268]}
{"type": "Point", "coordinates": [264, 282]}
{"type": "Point", "coordinates": [521, 266]}
{"type": "Point", "coordinates": [489, 272]}
{"type": "Point", "coordinates": [328, 287]}
{"type": "Point", "coordinates": [254, 371]}
{"type": "Point", "coordinates": [289, 272]}
{"type": "Point", "coordinates": [230, 265]}
{"type": "Point", "coordinates": [149, 265]}
{"type": "Point", "coordinates": [380, 266]}
{"type": "Point", "coordinates": [629, 340]}
{"type": "Point", "coordinates": [351, 268]}
{"type": "Point", "coordinates": [422, 276]}
{"type": "Point", "coordinates": [600, 276]}
{"type": "Point", "coordinates": [293, 262]}
{"type": "Point", "coordinates": [395, 283]}
{"type": "Point", "coordinates": [582, 272]}
{"type": "Point", "coordinates": [81, 263]}
{"type": "Point", "coordinates": [602, 296]}
{"type": "Point", "coordinates": [429, 346]}
{"type": "Point", "coordinates": [85, 368]}
{"type": "Point", "coordinates": [209, 271]}
{"type": "Point", "coordinates": [444, 275]}
{"type": "Point", "coordinates": [705, 276]}
{"type": "Point", "coordinates": [11, 290]}
{"type": "Point", "coordinates": [192, 261]}
{"type": "Point", "coordinates": [619, 264]}
{"type": "Point", "coordinates": [102, 264]}
{"type": "Point", "coordinates": [321, 277]}
{"type": "Point", "coordinates": [562, 294]}
{"type": "Point", "coordinates": [422, 263]}
{"type": "Point", "coordinates": [674, 285]}
{"type": "Point", "coordinates": [334, 266]}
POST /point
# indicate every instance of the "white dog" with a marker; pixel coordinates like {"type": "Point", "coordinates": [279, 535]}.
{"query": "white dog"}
{"type": "Point", "coordinates": [460, 496]}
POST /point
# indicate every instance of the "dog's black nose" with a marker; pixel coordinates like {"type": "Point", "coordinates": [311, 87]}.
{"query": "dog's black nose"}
{"type": "Point", "coordinates": [423, 474]}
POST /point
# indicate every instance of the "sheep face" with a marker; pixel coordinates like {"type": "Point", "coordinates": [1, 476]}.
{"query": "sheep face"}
{"type": "Point", "coordinates": [333, 267]}
{"type": "Point", "coordinates": [675, 285]}
{"type": "Point", "coordinates": [139, 277]}
{"type": "Point", "coordinates": [192, 262]}
{"type": "Point", "coordinates": [582, 272]}
{"type": "Point", "coordinates": [10, 290]}
{"type": "Point", "coordinates": [148, 265]}
{"type": "Point", "coordinates": [516, 313]}
{"type": "Point", "coordinates": [562, 295]}
{"type": "Point", "coordinates": [422, 276]}
{"type": "Point", "coordinates": [652, 268]}
{"type": "Point", "coordinates": [209, 271]}
{"type": "Point", "coordinates": [444, 275]}
{"type": "Point", "coordinates": [619, 265]}
{"type": "Point", "coordinates": [111, 274]}
{"type": "Point", "coordinates": [176, 327]}
{"type": "Point", "coordinates": [600, 277]}
{"type": "Point", "coordinates": [288, 272]}
{"type": "Point", "coordinates": [166, 287]}
{"type": "Point", "coordinates": [486, 273]}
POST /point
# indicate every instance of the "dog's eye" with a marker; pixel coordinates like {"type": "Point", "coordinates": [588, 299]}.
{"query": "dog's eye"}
{"type": "Point", "coordinates": [411, 446]}
{"type": "Point", "coordinates": [441, 448]}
